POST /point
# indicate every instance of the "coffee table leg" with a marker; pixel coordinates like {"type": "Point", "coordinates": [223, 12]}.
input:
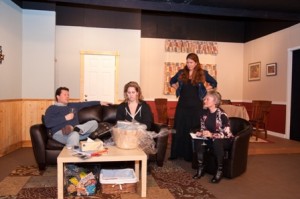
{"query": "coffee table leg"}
{"type": "Point", "coordinates": [137, 168]}
{"type": "Point", "coordinates": [60, 180]}
{"type": "Point", "coordinates": [144, 178]}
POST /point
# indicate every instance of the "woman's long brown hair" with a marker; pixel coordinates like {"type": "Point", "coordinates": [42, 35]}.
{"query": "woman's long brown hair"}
{"type": "Point", "coordinates": [137, 88]}
{"type": "Point", "coordinates": [198, 73]}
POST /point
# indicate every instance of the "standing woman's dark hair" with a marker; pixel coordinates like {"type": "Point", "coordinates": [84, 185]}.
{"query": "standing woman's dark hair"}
{"type": "Point", "coordinates": [198, 74]}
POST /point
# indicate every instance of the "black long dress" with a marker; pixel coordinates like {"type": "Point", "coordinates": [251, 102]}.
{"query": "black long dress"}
{"type": "Point", "coordinates": [187, 117]}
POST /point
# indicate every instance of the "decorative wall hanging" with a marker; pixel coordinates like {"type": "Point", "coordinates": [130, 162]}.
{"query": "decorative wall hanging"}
{"type": "Point", "coordinates": [254, 71]}
{"type": "Point", "coordinates": [271, 69]}
{"type": "Point", "coordinates": [186, 46]}
{"type": "Point", "coordinates": [1, 55]}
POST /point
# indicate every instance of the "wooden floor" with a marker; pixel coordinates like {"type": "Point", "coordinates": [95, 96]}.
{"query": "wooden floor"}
{"type": "Point", "coordinates": [278, 175]}
{"type": "Point", "coordinates": [276, 146]}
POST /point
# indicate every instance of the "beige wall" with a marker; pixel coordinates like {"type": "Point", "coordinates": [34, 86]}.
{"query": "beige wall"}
{"type": "Point", "coordinates": [272, 48]}
{"type": "Point", "coordinates": [71, 40]}
{"type": "Point", "coordinates": [27, 40]}
{"type": "Point", "coordinates": [141, 59]}
{"type": "Point", "coordinates": [11, 42]}
{"type": "Point", "coordinates": [229, 63]}
{"type": "Point", "coordinates": [38, 54]}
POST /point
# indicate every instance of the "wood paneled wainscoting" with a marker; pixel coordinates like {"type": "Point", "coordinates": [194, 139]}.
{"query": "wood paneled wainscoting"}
{"type": "Point", "coordinates": [16, 117]}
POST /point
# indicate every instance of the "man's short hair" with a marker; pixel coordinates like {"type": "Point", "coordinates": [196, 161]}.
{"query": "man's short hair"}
{"type": "Point", "coordinates": [58, 91]}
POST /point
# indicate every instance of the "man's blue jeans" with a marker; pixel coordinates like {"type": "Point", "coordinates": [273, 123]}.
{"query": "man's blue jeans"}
{"type": "Point", "coordinates": [72, 139]}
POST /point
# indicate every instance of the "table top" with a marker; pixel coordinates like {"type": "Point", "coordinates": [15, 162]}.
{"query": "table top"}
{"type": "Point", "coordinates": [235, 111]}
{"type": "Point", "coordinates": [113, 154]}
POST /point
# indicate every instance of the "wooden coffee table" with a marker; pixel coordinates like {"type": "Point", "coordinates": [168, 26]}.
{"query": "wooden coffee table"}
{"type": "Point", "coordinates": [114, 154]}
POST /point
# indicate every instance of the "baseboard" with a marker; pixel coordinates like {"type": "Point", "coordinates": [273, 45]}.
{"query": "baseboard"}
{"type": "Point", "coordinates": [10, 149]}
{"type": "Point", "coordinates": [26, 143]}
{"type": "Point", "coordinates": [280, 135]}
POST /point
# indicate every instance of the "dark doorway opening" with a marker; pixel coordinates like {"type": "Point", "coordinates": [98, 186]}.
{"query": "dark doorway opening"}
{"type": "Point", "coordinates": [295, 97]}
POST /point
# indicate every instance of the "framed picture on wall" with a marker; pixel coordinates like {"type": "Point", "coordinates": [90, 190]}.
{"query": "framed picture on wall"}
{"type": "Point", "coordinates": [254, 71]}
{"type": "Point", "coordinates": [271, 69]}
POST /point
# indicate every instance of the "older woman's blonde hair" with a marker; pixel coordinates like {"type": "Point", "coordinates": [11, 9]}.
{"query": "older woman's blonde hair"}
{"type": "Point", "coordinates": [137, 88]}
{"type": "Point", "coordinates": [216, 96]}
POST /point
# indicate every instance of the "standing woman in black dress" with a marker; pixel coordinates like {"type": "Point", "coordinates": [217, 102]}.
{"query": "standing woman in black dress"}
{"type": "Point", "coordinates": [191, 84]}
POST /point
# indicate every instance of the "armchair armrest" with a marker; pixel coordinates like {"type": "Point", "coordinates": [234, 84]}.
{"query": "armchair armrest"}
{"type": "Point", "coordinates": [239, 153]}
{"type": "Point", "coordinates": [240, 145]}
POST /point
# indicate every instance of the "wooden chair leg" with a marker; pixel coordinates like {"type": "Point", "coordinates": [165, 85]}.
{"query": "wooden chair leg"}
{"type": "Point", "coordinates": [257, 131]}
{"type": "Point", "coordinates": [266, 135]}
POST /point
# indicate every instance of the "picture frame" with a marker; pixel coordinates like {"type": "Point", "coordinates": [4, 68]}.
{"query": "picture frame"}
{"type": "Point", "coordinates": [1, 55]}
{"type": "Point", "coordinates": [271, 69]}
{"type": "Point", "coordinates": [254, 72]}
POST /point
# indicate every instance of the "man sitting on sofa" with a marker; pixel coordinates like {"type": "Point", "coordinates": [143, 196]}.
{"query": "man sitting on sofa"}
{"type": "Point", "coordinates": [62, 119]}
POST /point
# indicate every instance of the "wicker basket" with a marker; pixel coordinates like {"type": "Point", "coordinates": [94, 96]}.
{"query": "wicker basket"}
{"type": "Point", "coordinates": [118, 188]}
{"type": "Point", "coordinates": [115, 181]}
{"type": "Point", "coordinates": [125, 138]}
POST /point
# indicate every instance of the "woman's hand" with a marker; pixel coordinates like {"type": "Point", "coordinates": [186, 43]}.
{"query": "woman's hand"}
{"type": "Point", "coordinates": [199, 133]}
{"type": "Point", "coordinates": [207, 134]}
{"type": "Point", "coordinates": [175, 85]}
{"type": "Point", "coordinates": [208, 86]}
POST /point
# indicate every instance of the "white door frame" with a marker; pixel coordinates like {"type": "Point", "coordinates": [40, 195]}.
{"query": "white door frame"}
{"type": "Point", "coordinates": [112, 53]}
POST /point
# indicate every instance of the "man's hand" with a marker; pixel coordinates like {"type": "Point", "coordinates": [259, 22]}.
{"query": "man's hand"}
{"type": "Point", "coordinates": [105, 103]}
{"type": "Point", "coordinates": [67, 129]}
{"type": "Point", "coordinates": [69, 116]}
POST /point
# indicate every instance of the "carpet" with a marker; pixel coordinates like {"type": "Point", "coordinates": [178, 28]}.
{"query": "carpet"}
{"type": "Point", "coordinates": [179, 182]}
{"type": "Point", "coordinates": [168, 182]}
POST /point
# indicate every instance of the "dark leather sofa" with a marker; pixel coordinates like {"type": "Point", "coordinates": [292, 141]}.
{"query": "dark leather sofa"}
{"type": "Point", "coordinates": [235, 162]}
{"type": "Point", "coordinates": [46, 149]}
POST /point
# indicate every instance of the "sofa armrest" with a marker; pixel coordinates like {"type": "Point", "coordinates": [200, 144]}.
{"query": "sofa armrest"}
{"type": "Point", "coordinates": [157, 127]}
{"type": "Point", "coordinates": [39, 137]}
{"type": "Point", "coordinates": [161, 143]}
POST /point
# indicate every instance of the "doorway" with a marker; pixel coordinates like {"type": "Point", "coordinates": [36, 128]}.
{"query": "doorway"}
{"type": "Point", "coordinates": [98, 76]}
{"type": "Point", "coordinates": [295, 96]}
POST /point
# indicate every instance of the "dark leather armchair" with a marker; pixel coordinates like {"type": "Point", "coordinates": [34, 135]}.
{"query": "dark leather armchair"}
{"type": "Point", "coordinates": [46, 149]}
{"type": "Point", "coordinates": [235, 162]}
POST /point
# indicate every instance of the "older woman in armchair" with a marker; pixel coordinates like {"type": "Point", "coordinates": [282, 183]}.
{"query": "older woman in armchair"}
{"type": "Point", "coordinates": [215, 134]}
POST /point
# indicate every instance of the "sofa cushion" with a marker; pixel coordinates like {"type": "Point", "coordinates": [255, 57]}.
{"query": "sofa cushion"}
{"type": "Point", "coordinates": [109, 113]}
{"type": "Point", "coordinates": [90, 113]}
